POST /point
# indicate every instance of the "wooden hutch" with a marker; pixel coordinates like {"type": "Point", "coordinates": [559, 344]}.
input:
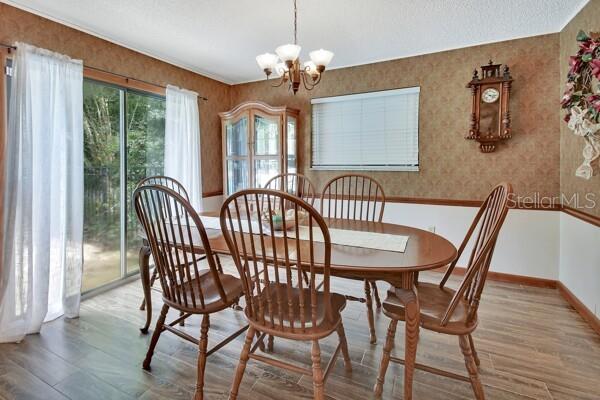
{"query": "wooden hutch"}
{"type": "Point", "coordinates": [259, 142]}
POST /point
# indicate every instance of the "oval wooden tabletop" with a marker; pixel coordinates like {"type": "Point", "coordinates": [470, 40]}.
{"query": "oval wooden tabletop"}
{"type": "Point", "coordinates": [424, 250]}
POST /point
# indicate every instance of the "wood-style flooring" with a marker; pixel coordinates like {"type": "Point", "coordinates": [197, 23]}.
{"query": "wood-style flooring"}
{"type": "Point", "coordinates": [531, 343]}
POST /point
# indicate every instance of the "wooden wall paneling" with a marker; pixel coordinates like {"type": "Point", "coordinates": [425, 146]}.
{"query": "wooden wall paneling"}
{"type": "Point", "coordinates": [510, 278]}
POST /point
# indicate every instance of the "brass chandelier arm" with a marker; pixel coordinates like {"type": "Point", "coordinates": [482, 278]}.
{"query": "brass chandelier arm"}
{"type": "Point", "coordinates": [305, 80]}
{"type": "Point", "coordinates": [281, 80]}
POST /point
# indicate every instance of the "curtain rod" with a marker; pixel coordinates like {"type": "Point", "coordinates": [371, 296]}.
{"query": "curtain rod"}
{"type": "Point", "coordinates": [10, 47]}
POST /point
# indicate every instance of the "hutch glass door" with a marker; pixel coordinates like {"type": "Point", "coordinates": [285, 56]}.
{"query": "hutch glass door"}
{"type": "Point", "coordinates": [237, 157]}
{"type": "Point", "coordinates": [266, 148]}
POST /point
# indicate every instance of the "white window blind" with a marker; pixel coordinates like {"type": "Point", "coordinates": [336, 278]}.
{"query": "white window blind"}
{"type": "Point", "coordinates": [367, 131]}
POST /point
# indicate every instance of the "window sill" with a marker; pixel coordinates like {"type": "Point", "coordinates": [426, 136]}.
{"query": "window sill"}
{"type": "Point", "coordinates": [396, 168]}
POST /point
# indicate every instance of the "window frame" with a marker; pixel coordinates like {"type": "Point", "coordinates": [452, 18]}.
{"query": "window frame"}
{"type": "Point", "coordinates": [366, 95]}
{"type": "Point", "coordinates": [115, 82]}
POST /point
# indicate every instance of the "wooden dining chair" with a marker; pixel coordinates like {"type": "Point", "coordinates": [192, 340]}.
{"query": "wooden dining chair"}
{"type": "Point", "coordinates": [175, 185]}
{"type": "Point", "coordinates": [172, 184]}
{"type": "Point", "coordinates": [295, 184]}
{"type": "Point", "coordinates": [356, 197]}
{"type": "Point", "coordinates": [269, 261]}
{"type": "Point", "coordinates": [172, 225]}
{"type": "Point", "coordinates": [454, 312]}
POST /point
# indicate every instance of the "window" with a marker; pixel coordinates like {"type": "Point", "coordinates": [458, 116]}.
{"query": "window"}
{"type": "Point", "coordinates": [124, 132]}
{"type": "Point", "coordinates": [367, 131]}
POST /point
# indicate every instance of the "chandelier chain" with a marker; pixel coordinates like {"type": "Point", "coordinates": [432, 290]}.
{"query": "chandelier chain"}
{"type": "Point", "coordinates": [295, 23]}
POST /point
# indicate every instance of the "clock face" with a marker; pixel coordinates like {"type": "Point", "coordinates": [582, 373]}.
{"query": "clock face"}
{"type": "Point", "coordinates": [490, 95]}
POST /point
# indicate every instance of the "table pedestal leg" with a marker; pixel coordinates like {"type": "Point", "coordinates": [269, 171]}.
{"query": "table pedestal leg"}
{"type": "Point", "coordinates": [144, 260]}
{"type": "Point", "coordinates": [411, 337]}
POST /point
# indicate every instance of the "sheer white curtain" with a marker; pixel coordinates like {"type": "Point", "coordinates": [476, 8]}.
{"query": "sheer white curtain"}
{"type": "Point", "coordinates": [43, 228]}
{"type": "Point", "coordinates": [182, 142]}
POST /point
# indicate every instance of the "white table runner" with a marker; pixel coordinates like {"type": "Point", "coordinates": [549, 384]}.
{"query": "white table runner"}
{"type": "Point", "coordinates": [369, 240]}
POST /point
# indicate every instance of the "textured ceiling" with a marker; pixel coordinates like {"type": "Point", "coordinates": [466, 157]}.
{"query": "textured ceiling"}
{"type": "Point", "coordinates": [220, 38]}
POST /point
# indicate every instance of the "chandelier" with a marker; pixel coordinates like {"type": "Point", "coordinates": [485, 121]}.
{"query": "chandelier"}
{"type": "Point", "coordinates": [287, 66]}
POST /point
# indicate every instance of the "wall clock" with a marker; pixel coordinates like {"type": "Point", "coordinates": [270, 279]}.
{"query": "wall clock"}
{"type": "Point", "coordinates": [490, 116]}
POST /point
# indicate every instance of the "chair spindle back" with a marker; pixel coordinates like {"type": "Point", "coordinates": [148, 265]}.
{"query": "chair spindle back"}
{"type": "Point", "coordinates": [487, 223]}
{"type": "Point", "coordinates": [173, 229]}
{"type": "Point", "coordinates": [295, 184]}
{"type": "Point", "coordinates": [166, 181]}
{"type": "Point", "coordinates": [354, 197]}
{"type": "Point", "coordinates": [271, 263]}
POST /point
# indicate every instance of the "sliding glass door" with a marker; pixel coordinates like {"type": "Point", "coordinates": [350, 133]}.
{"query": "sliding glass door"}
{"type": "Point", "coordinates": [102, 184]}
{"type": "Point", "coordinates": [123, 143]}
{"type": "Point", "coordinates": [145, 157]}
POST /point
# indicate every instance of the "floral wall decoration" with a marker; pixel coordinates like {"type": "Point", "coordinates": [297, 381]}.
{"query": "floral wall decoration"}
{"type": "Point", "coordinates": [582, 100]}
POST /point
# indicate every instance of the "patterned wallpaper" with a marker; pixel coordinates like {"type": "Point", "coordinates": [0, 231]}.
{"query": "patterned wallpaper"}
{"type": "Point", "coordinates": [452, 167]}
{"type": "Point", "coordinates": [571, 146]}
{"type": "Point", "coordinates": [18, 25]}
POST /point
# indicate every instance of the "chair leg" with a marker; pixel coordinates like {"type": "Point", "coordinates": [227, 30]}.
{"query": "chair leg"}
{"type": "Point", "coordinates": [471, 367]}
{"type": "Point", "coordinates": [385, 358]}
{"type": "Point", "coordinates": [219, 266]}
{"type": "Point", "coordinates": [475, 356]}
{"type": "Point", "coordinates": [236, 306]}
{"type": "Point", "coordinates": [152, 280]}
{"type": "Point", "coordinates": [270, 343]}
{"type": "Point", "coordinates": [182, 322]}
{"type": "Point", "coordinates": [157, 331]}
{"type": "Point", "coordinates": [317, 371]}
{"type": "Point", "coordinates": [344, 346]}
{"type": "Point", "coordinates": [370, 316]}
{"type": "Point", "coordinates": [306, 278]}
{"type": "Point", "coordinates": [202, 346]}
{"type": "Point", "coordinates": [261, 343]}
{"type": "Point", "coordinates": [376, 294]}
{"type": "Point", "coordinates": [239, 373]}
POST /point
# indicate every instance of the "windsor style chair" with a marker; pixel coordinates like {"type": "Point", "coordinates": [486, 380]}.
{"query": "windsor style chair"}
{"type": "Point", "coordinates": [171, 224]}
{"type": "Point", "coordinates": [295, 184]}
{"type": "Point", "coordinates": [448, 311]}
{"type": "Point", "coordinates": [269, 261]}
{"type": "Point", "coordinates": [356, 197]}
{"type": "Point", "coordinates": [144, 255]}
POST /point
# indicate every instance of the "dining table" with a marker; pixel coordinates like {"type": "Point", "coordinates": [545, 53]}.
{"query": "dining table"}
{"type": "Point", "coordinates": [424, 251]}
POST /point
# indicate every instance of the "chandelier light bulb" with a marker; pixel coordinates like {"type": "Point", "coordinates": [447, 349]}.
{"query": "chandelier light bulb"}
{"type": "Point", "coordinates": [266, 61]}
{"type": "Point", "coordinates": [321, 57]}
{"type": "Point", "coordinates": [288, 52]}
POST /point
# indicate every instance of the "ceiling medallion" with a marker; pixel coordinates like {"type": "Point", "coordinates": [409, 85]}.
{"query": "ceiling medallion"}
{"type": "Point", "coordinates": [287, 65]}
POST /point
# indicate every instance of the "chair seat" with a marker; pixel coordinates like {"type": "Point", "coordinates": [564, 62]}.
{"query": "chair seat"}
{"type": "Point", "coordinates": [433, 303]}
{"type": "Point", "coordinates": [323, 327]}
{"type": "Point", "coordinates": [205, 283]}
